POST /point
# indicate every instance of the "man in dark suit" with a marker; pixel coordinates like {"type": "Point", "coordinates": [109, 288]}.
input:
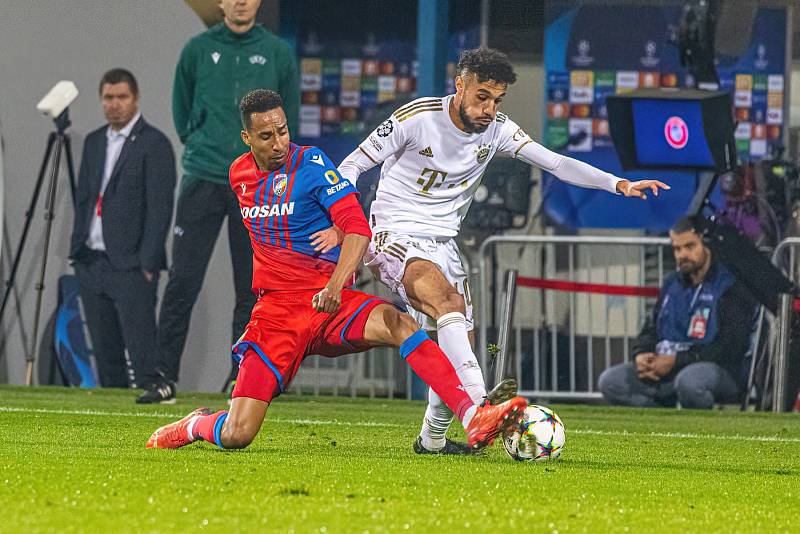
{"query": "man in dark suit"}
{"type": "Point", "coordinates": [122, 214]}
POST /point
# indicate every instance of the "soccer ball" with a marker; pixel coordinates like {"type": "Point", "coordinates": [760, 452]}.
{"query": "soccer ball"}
{"type": "Point", "coordinates": [541, 438]}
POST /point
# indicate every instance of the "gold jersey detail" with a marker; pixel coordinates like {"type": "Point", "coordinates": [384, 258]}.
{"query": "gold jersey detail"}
{"type": "Point", "coordinates": [415, 104]}
{"type": "Point", "coordinates": [420, 110]}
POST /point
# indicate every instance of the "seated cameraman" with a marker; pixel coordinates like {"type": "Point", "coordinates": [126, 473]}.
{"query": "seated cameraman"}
{"type": "Point", "coordinates": [693, 347]}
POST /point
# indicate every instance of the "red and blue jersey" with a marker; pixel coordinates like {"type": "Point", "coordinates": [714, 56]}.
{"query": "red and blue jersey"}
{"type": "Point", "coordinates": [282, 209]}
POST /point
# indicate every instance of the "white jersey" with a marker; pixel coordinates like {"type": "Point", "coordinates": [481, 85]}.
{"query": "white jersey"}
{"type": "Point", "coordinates": [431, 168]}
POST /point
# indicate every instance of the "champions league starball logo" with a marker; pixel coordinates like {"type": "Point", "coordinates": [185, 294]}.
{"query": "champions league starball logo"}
{"type": "Point", "coordinates": [650, 59]}
{"type": "Point", "coordinates": [583, 59]}
{"type": "Point", "coordinates": [761, 61]}
{"type": "Point", "coordinates": [385, 128]}
{"type": "Point", "coordinates": [676, 132]}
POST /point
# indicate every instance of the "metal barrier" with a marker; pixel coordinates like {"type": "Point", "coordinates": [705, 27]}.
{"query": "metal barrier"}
{"type": "Point", "coordinates": [375, 373]}
{"type": "Point", "coordinates": [552, 321]}
{"type": "Point", "coordinates": [781, 333]}
{"type": "Point", "coordinates": [606, 322]}
{"type": "Point", "coordinates": [369, 374]}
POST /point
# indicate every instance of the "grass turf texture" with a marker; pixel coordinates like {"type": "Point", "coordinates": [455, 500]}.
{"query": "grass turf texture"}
{"type": "Point", "coordinates": [74, 460]}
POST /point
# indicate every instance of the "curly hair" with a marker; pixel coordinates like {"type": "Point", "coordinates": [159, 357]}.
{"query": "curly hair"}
{"type": "Point", "coordinates": [258, 101]}
{"type": "Point", "coordinates": [486, 64]}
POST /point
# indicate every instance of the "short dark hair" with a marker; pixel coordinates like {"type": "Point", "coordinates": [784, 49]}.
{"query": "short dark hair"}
{"type": "Point", "coordinates": [115, 76]}
{"type": "Point", "coordinates": [487, 64]}
{"type": "Point", "coordinates": [258, 101]}
{"type": "Point", "coordinates": [685, 224]}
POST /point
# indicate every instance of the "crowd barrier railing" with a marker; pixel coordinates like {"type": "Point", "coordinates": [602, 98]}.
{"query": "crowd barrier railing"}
{"type": "Point", "coordinates": [784, 257]}
{"type": "Point", "coordinates": [580, 288]}
{"type": "Point", "coordinates": [590, 297]}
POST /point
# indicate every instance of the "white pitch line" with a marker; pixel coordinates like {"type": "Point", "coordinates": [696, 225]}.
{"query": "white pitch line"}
{"type": "Point", "coordinates": [621, 433]}
{"type": "Point", "coordinates": [685, 435]}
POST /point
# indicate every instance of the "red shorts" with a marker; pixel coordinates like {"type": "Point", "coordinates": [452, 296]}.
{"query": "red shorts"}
{"type": "Point", "coordinates": [284, 328]}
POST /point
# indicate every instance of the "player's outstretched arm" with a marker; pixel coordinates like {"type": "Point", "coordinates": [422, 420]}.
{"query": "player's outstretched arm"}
{"type": "Point", "coordinates": [582, 174]}
{"type": "Point", "coordinates": [639, 189]}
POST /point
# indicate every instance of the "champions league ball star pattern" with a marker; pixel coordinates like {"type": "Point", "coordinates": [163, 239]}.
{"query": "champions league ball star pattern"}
{"type": "Point", "coordinates": [542, 436]}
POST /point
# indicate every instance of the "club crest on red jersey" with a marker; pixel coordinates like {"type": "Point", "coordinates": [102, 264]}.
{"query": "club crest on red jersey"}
{"type": "Point", "coordinates": [279, 184]}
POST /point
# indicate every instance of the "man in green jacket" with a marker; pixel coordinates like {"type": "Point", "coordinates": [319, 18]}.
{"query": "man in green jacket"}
{"type": "Point", "coordinates": [216, 69]}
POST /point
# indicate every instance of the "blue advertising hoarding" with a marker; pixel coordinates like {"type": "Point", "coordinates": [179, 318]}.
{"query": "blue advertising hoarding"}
{"type": "Point", "coordinates": [593, 51]}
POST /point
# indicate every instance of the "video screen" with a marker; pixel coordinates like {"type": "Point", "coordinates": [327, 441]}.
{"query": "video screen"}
{"type": "Point", "coordinates": [670, 132]}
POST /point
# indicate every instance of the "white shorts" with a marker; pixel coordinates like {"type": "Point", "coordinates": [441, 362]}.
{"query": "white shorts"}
{"type": "Point", "coordinates": [389, 254]}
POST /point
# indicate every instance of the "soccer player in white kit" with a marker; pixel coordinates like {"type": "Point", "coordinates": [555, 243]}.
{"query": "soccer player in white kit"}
{"type": "Point", "coordinates": [434, 152]}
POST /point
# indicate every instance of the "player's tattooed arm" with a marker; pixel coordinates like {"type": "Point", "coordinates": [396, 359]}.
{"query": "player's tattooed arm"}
{"type": "Point", "coordinates": [330, 298]}
{"type": "Point", "coordinates": [326, 240]}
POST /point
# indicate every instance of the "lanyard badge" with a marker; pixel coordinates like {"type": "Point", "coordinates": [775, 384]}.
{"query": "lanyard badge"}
{"type": "Point", "coordinates": [699, 323]}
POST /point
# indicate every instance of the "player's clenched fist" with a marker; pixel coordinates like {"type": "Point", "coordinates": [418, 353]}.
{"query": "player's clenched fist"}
{"type": "Point", "coordinates": [327, 300]}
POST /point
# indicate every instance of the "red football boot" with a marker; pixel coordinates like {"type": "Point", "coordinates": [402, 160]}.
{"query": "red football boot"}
{"type": "Point", "coordinates": [175, 434]}
{"type": "Point", "coordinates": [491, 420]}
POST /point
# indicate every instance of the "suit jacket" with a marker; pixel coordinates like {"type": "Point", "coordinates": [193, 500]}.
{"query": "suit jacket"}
{"type": "Point", "coordinates": [137, 203]}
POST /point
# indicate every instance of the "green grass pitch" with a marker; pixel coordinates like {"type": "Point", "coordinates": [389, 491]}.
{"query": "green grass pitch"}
{"type": "Point", "coordinates": [74, 460]}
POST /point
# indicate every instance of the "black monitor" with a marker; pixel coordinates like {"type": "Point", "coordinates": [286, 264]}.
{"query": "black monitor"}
{"type": "Point", "coordinates": [673, 129]}
{"type": "Point", "coordinates": [502, 201]}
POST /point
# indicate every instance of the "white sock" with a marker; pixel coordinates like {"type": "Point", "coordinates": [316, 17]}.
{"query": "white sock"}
{"type": "Point", "coordinates": [451, 329]}
{"type": "Point", "coordinates": [468, 415]}
{"type": "Point", "coordinates": [434, 425]}
{"type": "Point", "coordinates": [454, 342]}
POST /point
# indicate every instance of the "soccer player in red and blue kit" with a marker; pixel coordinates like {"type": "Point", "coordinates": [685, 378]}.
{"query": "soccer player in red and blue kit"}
{"type": "Point", "coordinates": [287, 194]}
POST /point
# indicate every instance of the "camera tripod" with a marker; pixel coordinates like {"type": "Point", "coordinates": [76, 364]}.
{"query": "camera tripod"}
{"type": "Point", "coordinates": [57, 142]}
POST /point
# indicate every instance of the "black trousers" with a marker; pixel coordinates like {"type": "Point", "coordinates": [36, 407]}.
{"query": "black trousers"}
{"type": "Point", "coordinates": [202, 208]}
{"type": "Point", "coordinates": [120, 308]}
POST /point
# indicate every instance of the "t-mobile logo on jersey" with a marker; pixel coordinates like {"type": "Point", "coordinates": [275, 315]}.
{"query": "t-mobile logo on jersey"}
{"type": "Point", "coordinates": [268, 211]}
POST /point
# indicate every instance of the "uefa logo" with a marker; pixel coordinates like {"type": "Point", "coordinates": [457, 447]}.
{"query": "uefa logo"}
{"type": "Point", "coordinates": [676, 132]}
